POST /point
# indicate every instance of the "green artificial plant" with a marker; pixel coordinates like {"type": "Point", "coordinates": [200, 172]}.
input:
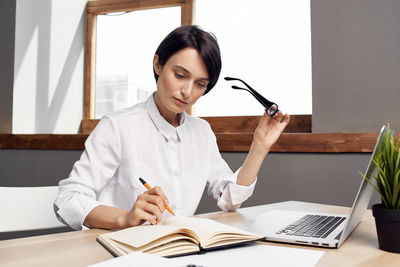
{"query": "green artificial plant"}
{"type": "Point", "coordinates": [387, 162]}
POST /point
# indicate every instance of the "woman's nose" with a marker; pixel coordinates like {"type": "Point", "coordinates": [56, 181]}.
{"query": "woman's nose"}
{"type": "Point", "coordinates": [187, 89]}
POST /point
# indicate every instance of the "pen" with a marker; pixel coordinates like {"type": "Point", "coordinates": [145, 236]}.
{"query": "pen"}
{"type": "Point", "coordinates": [148, 188]}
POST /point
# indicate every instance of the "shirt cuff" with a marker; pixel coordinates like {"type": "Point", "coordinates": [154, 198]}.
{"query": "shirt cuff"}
{"type": "Point", "coordinates": [234, 195]}
{"type": "Point", "coordinates": [74, 211]}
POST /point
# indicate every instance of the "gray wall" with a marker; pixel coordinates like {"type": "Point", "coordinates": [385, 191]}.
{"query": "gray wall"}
{"type": "Point", "coordinates": [322, 178]}
{"type": "Point", "coordinates": [7, 43]}
{"type": "Point", "coordinates": [356, 65]}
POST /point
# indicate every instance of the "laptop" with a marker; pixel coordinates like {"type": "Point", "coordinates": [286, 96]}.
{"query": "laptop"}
{"type": "Point", "coordinates": [316, 229]}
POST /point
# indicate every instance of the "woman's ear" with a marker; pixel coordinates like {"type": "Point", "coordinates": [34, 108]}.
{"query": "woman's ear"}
{"type": "Point", "coordinates": [156, 64]}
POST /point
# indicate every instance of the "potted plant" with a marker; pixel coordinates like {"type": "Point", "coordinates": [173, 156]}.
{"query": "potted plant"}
{"type": "Point", "coordinates": [387, 214]}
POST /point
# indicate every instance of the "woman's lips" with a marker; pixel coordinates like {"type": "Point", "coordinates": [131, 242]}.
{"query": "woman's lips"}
{"type": "Point", "coordinates": [181, 102]}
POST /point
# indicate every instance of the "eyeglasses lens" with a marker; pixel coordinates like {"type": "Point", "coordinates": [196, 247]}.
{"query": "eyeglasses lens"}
{"type": "Point", "coordinates": [272, 110]}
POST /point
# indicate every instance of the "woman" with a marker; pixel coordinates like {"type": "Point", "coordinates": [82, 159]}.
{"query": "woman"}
{"type": "Point", "coordinates": [158, 141]}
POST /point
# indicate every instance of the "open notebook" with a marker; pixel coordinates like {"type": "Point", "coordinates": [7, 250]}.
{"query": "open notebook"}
{"type": "Point", "coordinates": [175, 236]}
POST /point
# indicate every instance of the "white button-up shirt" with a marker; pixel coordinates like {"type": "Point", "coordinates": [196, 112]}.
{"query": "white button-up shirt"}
{"type": "Point", "coordinates": [139, 142]}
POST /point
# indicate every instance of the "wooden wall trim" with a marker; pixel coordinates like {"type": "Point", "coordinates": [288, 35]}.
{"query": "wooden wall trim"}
{"type": "Point", "coordinates": [227, 142]}
{"type": "Point", "coordinates": [43, 141]}
{"type": "Point", "coordinates": [247, 124]}
{"type": "Point", "coordinates": [231, 124]}
{"type": "Point", "coordinates": [100, 7]}
{"type": "Point", "coordinates": [304, 142]}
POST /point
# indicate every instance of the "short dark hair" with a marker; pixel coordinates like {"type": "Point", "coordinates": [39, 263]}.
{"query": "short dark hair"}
{"type": "Point", "coordinates": [192, 36]}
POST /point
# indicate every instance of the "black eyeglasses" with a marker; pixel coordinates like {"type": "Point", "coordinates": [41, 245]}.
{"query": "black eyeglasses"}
{"type": "Point", "coordinates": [270, 107]}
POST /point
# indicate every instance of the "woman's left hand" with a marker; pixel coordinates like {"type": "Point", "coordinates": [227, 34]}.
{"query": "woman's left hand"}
{"type": "Point", "coordinates": [265, 135]}
{"type": "Point", "coordinates": [269, 129]}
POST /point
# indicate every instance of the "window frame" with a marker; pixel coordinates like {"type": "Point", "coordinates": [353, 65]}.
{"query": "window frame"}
{"type": "Point", "coordinates": [101, 7]}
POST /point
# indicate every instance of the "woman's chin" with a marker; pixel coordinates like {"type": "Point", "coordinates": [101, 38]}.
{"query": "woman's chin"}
{"type": "Point", "coordinates": [176, 110]}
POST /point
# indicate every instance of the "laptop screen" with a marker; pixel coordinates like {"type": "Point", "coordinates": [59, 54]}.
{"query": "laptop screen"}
{"type": "Point", "coordinates": [365, 192]}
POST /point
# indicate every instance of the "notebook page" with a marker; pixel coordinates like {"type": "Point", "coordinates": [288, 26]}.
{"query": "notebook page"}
{"type": "Point", "coordinates": [139, 236]}
{"type": "Point", "coordinates": [206, 229]}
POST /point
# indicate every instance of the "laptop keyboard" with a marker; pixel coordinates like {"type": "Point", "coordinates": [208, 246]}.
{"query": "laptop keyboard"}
{"type": "Point", "coordinates": [313, 226]}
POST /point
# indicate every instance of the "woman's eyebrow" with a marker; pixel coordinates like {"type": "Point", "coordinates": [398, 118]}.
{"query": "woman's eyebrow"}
{"type": "Point", "coordinates": [187, 71]}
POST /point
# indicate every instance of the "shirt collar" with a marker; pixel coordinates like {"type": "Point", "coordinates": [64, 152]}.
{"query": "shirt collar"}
{"type": "Point", "coordinates": [165, 128]}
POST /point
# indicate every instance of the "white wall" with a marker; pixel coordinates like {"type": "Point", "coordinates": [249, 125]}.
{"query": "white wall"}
{"type": "Point", "coordinates": [49, 66]}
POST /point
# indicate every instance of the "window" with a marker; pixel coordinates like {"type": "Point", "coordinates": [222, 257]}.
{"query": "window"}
{"type": "Point", "coordinates": [266, 43]}
{"type": "Point", "coordinates": [277, 68]}
{"type": "Point", "coordinates": [145, 10]}
{"type": "Point", "coordinates": [124, 67]}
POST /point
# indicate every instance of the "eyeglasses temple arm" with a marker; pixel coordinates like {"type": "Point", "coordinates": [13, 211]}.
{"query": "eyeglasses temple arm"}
{"type": "Point", "coordinates": [258, 96]}
{"type": "Point", "coordinates": [251, 92]}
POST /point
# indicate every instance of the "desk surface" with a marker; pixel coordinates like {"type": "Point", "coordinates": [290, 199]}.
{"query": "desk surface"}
{"type": "Point", "coordinates": [80, 248]}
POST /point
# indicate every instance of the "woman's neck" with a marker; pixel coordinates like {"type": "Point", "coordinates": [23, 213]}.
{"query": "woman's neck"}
{"type": "Point", "coordinates": [171, 117]}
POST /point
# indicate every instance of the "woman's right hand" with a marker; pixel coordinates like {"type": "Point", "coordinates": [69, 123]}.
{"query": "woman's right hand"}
{"type": "Point", "coordinates": [149, 206]}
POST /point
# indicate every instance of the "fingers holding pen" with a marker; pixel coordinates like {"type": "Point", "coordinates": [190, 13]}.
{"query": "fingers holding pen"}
{"type": "Point", "coordinates": [157, 191]}
{"type": "Point", "coordinates": [146, 208]}
{"type": "Point", "coordinates": [155, 200]}
{"type": "Point", "coordinates": [140, 216]}
{"type": "Point", "coordinates": [153, 212]}
{"type": "Point", "coordinates": [149, 206]}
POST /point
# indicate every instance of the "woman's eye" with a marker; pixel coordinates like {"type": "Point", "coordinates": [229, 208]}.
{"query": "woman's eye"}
{"type": "Point", "coordinates": [179, 76]}
{"type": "Point", "coordinates": [202, 85]}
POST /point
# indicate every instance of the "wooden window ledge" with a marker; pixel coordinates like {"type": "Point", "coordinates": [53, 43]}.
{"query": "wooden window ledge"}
{"type": "Point", "coordinates": [227, 142]}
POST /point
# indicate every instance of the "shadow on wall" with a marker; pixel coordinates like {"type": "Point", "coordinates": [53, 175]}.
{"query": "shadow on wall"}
{"type": "Point", "coordinates": [40, 28]}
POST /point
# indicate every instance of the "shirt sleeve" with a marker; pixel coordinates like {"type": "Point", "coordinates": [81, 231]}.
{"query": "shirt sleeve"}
{"type": "Point", "coordinates": [222, 181]}
{"type": "Point", "coordinates": [78, 193]}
